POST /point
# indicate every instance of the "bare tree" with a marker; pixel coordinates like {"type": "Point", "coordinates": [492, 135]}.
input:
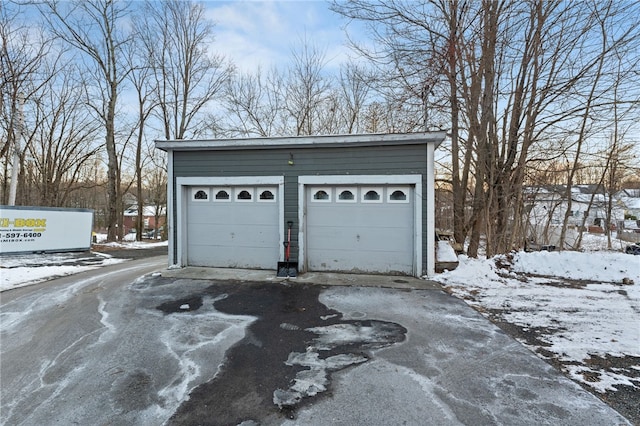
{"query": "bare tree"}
{"type": "Point", "coordinates": [618, 162]}
{"type": "Point", "coordinates": [155, 181]}
{"type": "Point", "coordinates": [513, 75]}
{"type": "Point", "coordinates": [188, 77]}
{"type": "Point", "coordinates": [141, 78]}
{"type": "Point", "coordinates": [613, 34]}
{"type": "Point", "coordinates": [64, 143]}
{"type": "Point", "coordinates": [94, 28]}
{"type": "Point", "coordinates": [255, 103]}
{"type": "Point", "coordinates": [23, 72]}
{"type": "Point", "coordinates": [301, 99]}
{"type": "Point", "coordinates": [307, 88]}
{"type": "Point", "coordinates": [354, 87]}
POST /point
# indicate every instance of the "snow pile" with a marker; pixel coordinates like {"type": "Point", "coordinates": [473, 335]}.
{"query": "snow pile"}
{"type": "Point", "coordinates": [595, 266]}
{"type": "Point", "coordinates": [578, 307]}
{"type": "Point", "coordinates": [444, 252]}
{"type": "Point", "coordinates": [20, 270]}
{"type": "Point", "coordinates": [26, 269]}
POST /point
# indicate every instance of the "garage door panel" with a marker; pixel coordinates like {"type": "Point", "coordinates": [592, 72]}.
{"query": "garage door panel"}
{"type": "Point", "coordinates": [251, 214]}
{"type": "Point", "coordinates": [233, 214]}
{"type": "Point", "coordinates": [360, 261]}
{"type": "Point", "coordinates": [224, 235]}
{"type": "Point", "coordinates": [235, 257]}
{"type": "Point", "coordinates": [233, 233]}
{"type": "Point", "coordinates": [360, 236]}
{"type": "Point", "coordinates": [331, 214]}
{"type": "Point", "coordinates": [361, 253]}
{"type": "Point", "coordinates": [390, 239]}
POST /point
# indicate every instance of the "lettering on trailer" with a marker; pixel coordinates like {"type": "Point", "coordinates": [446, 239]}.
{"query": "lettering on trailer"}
{"type": "Point", "coordinates": [21, 229]}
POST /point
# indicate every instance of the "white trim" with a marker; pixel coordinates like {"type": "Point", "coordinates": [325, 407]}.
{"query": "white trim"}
{"type": "Point", "coordinates": [230, 180]}
{"type": "Point", "coordinates": [361, 179]}
{"type": "Point", "coordinates": [172, 261]}
{"type": "Point", "coordinates": [181, 223]}
{"type": "Point", "coordinates": [417, 221]}
{"type": "Point", "coordinates": [414, 180]}
{"type": "Point", "coordinates": [420, 138]}
{"type": "Point", "coordinates": [430, 219]}
{"type": "Point", "coordinates": [183, 183]}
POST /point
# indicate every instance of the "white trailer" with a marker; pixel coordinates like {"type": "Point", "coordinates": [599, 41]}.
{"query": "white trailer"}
{"type": "Point", "coordinates": [44, 229]}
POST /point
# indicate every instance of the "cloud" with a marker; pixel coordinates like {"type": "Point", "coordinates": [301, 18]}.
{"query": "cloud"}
{"type": "Point", "coordinates": [263, 33]}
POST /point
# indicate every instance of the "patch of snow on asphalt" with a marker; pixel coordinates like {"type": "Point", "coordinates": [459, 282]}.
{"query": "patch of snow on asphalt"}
{"type": "Point", "coordinates": [577, 302]}
{"type": "Point", "coordinates": [22, 270]}
{"type": "Point", "coordinates": [313, 380]}
{"type": "Point", "coordinates": [190, 337]}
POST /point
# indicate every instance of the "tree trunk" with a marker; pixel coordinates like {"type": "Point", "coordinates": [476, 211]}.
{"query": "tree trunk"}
{"type": "Point", "coordinates": [112, 181]}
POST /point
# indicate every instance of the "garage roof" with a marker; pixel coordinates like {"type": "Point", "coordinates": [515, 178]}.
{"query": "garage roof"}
{"type": "Point", "coordinates": [302, 141]}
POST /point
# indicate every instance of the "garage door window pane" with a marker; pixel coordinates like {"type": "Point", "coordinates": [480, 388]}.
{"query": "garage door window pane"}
{"type": "Point", "coordinates": [267, 196]}
{"type": "Point", "coordinates": [371, 195]}
{"type": "Point", "coordinates": [200, 195]}
{"type": "Point", "coordinates": [321, 195]}
{"type": "Point", "coordinates": [398, 195]}
{"type": "Point", "coordinates": [222, 195]}
{"type": "Point", "coordinates": [346, 195]}
{"type": "Point", "coordinates": [244, 195]}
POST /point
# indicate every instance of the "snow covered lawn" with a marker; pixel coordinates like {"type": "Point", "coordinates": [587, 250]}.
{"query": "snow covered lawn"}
{"type": "Point", "coordinates": [581, 310]}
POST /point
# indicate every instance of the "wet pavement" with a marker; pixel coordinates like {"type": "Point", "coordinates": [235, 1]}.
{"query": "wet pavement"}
{"type": "Point", "coordinates": [286, 356]}
{"type": "Point", "coordinates": [224, 347]}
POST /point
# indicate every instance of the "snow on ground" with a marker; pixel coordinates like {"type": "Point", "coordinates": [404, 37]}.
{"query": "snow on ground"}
{"type": "Point", "coordinates": [581, 307]}
{"type": "Point", "coordinates": [20, 270]}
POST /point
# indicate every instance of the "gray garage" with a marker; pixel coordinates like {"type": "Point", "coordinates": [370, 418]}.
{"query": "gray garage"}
{"type": "Point", "coordinates": [356, 203]}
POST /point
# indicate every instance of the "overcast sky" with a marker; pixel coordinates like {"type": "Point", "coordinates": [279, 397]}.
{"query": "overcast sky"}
{"type": "Point", "coordinates": [253, 33]}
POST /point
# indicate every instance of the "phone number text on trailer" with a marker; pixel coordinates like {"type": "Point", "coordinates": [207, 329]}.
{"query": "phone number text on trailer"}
{"type": "Point", "coordinates": [11, 235]}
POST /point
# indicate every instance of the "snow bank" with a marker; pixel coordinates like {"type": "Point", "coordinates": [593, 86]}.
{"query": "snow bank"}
{"type": "Point", "coordinates": [579, 305]}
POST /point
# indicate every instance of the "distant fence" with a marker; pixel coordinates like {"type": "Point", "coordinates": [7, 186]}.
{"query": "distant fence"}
{"type": "Point", "coordinates": [630, 236]}
{"type": "Point", "coordinates": [629, 230]}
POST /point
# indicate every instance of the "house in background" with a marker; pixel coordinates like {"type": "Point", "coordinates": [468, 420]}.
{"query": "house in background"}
{"type": "Point", "coordinates": [629, 228]}
{"type": "Point", "coordinates": [589, 204]}
{"type": "Point", "coordinates": [547, 205]}
{"type": "Point", "coordinates": [153, 218]}
{"type": "Point", "coordinates": [629, 200]}
{"type": "Point", "coordinates": [340, 203]}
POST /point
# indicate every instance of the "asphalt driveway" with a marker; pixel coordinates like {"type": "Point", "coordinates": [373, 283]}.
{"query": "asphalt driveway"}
{"type": "Point", "coordinates": [123, 345]}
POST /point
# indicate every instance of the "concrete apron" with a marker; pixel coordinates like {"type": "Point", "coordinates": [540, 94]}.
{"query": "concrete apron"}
{"type": "Point", "coordinates": [454, 368]}
{"type": "Point", "coordinates": [315, 278]}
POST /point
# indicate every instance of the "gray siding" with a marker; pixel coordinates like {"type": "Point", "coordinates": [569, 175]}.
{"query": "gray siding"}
{"type": "Point", "coordinates": [374, 160]}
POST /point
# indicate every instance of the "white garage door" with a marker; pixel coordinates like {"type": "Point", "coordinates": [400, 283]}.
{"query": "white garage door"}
{"type": "Point", "coordinates": [233, 227]}
{"type": "Point", "coordinates": [359, 229]}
